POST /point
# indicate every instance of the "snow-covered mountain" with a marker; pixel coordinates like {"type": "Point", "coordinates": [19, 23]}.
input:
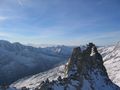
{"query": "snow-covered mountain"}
{"type": "Point", "coordinates": [111, 56]}
{"type": "Point", "coordinates": [18, 61]}
{"type": "Point", "coordinates": [35, 80]}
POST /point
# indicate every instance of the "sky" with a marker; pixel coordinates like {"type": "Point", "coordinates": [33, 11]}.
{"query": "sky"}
{"type": "Point", "coordinates": [64, 22]}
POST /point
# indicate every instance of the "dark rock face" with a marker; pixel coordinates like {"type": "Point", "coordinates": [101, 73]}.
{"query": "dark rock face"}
{"type": "Point", "coordinates": [84, 71]}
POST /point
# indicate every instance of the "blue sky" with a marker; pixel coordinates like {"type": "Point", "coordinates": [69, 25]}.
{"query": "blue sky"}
{"type": "Point", "coordinates": [68, 22]}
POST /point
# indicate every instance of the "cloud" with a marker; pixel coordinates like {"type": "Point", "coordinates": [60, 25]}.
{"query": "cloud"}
{"type": "Point", "coordinates": [20, 3]}
{"type": "Point", "coordinates": [110, 34]}
{"type": "Point", "coordinates": [5, 34]}
{"type": "Point", "coordinates": [98, 38]}
{"type": "Point", "coordinates": [2, 18]}
{"type": "Point", "coordinates": [10, 34]}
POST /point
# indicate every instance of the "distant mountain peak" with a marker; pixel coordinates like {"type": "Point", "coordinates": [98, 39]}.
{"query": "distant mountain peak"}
{"type": "Point", "coordinates": [28, 59]}
{"type": "Point", "coordinates": [84, 71]}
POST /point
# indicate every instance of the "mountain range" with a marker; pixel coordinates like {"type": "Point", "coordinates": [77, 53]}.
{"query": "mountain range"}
{"type": "Point", "coordinates": [18, 61]}
{"type": "Point", "coordinates": [111, 59]}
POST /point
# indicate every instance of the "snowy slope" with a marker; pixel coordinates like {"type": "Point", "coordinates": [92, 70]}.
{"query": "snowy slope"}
{"type": "Point", "coordinates": [84, 71]}
{"type": "Point", "coordinates": [18, 61]}
{"type": "Point", "coordinates": [35, 80]}
{"type": "Point", "coordinates": [111, 56]}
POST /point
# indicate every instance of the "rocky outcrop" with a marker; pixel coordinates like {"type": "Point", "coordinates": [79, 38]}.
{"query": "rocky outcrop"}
{"type": "Point", "coordinates": [84, 71]}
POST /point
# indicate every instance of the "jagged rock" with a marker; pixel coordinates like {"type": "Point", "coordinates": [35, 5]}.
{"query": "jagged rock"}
{"type": "Point", "coordinates": [24, 88]}
{"type": "Point", "coordinates": [84, 71]}
{"type": "Point", "coordinates": [59, 78]}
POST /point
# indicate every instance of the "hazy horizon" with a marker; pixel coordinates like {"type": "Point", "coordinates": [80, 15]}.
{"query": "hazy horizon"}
{"type": "Point", "coordinates": [50, 45]}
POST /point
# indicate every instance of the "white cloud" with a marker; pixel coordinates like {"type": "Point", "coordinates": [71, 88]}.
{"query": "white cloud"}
{"type": "Point", "coordinates": [5, 34]}
{"type": "Point", "coordinates": [2, 18]}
